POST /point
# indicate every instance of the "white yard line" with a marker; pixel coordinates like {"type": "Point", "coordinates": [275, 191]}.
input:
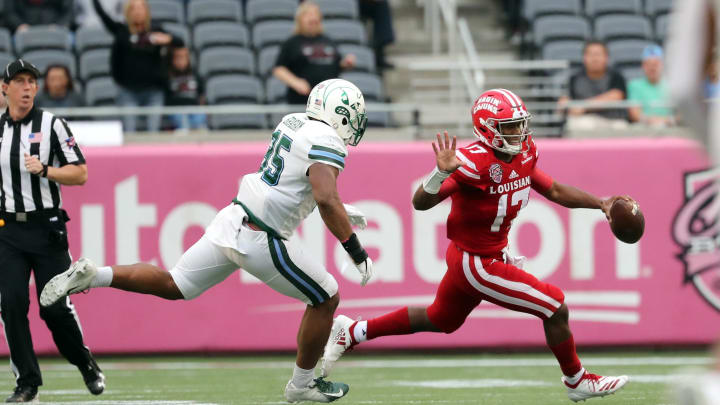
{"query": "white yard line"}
{"type": "Point", "coordinates": [400, 363]}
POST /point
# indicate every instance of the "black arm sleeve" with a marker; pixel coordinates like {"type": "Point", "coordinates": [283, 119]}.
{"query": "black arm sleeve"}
{"type": "Point", "coordinates": [110, 24]}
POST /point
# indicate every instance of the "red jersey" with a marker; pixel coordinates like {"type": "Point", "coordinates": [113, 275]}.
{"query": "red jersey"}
{"type": "Point", "coordinates": [487, 195]}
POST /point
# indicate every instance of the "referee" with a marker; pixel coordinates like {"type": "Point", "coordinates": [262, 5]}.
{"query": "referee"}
{"type": "Point", "coordinates": [37, 154]}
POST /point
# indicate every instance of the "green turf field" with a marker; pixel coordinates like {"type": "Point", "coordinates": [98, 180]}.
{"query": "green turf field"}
{"type": "Point", "coordinates": [518, 379]}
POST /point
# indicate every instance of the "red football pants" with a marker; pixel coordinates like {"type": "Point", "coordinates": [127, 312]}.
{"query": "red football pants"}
{"type": "Point", "coordinates": [471, 279]}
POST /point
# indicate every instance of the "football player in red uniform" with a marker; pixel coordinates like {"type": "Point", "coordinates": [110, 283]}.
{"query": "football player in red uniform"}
{"type": "Point", "coordinates": [489, 182]}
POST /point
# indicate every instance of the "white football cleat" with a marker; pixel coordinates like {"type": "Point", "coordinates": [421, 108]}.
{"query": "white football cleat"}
{"type": "Point", "coordinates": [74, 280]}
{"type": "Point", "coordinates": [339, 342]}
{"type": "Point", "coordinates": [318, 390]}
{"type": "Point", "coordinates": [591, 386]}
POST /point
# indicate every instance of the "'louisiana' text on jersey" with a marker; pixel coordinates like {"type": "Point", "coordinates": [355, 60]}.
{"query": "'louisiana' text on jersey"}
{"type": "Point", "coordinates": [512, 186]}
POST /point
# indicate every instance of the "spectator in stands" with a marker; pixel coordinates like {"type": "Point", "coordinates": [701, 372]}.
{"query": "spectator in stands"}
{"type": "Point", "coordinates": [137, 62]}
{"type": "Point", "coordinates": [308, 57]}
{"type": "Point", "coordinates": [383, 33]}
{"type": "Point", "coordinates": [85, 15]}
{"type": "Point", "coordinates": [22, 14]}
{"type": "Point", "coordinates": [651, 91]}
{"type": "Point", "coordinates": [595, 83]}
{"type": "Point", "coordinates": [184, 89]}
{"type": "Point", "coordinates": [58, 89]}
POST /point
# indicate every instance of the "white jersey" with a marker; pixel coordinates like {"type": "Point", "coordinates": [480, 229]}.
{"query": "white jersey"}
{"type": "Point", "coordinates": [279, 196]}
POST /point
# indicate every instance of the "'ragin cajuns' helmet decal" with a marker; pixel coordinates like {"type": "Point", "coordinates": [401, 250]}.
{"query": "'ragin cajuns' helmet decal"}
{"type": "Point", "coordinates": [497, 107]}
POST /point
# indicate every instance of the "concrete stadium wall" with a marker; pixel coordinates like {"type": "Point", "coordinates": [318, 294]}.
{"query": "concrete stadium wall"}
{"type": "Point", "coordinates": [149, 203]}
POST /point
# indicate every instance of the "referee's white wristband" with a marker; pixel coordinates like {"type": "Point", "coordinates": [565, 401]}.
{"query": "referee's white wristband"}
{"type": "Point", "coordinates": [434, 180]}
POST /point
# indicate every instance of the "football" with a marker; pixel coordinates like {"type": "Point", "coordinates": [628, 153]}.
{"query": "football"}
{"type": "Point", "coordinates": [627, 221]}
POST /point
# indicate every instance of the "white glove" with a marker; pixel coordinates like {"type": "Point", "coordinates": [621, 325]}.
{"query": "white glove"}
{"type": "Point", "coordinates": [357, 218]}
{"type": "Point", "coordinates": [365, 269]}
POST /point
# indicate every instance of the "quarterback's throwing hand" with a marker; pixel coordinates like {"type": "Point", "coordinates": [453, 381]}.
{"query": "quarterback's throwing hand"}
{"type": "Point", "coordinates": [445, 153]}
{"type": "Point", "coordinates": [605, 205]}
{"type": "Point", "coordinates": [356, 217]}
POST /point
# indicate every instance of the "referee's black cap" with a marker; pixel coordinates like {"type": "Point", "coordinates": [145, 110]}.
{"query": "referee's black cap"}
{"type": "Point", "coordinates": [17, 66]}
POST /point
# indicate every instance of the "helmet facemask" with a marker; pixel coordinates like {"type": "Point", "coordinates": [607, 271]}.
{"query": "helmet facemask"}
{"type": "Point", "coordinates": [510, 143]}
{"type": "Point", "coordinates": [356, 124]}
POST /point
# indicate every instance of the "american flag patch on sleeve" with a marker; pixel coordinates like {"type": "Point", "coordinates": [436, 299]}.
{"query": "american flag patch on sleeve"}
{"type": "Point", "coordinates": [35, 137]}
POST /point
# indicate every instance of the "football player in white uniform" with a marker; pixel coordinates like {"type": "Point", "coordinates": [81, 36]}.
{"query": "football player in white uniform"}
{"type": "Point", "coordinates": [298, 173]}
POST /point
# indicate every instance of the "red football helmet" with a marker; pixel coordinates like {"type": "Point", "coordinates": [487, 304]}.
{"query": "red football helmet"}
{"type": "Point", "coordinates": [495, 108]}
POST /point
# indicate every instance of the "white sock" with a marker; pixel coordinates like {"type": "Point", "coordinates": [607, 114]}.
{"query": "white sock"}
{"type": "Point", "coordinates": [301, 378]}
{"type": "Point", "coordinates": [573, 379]}
{"type": "Point", "coordinates": [360, 331]}
{"type": "Point", "coordinates": [103, 278]}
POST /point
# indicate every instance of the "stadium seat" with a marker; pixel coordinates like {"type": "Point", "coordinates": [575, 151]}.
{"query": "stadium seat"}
{"type": "Point", "coordinates": [43, 37]}
{"type": "Point", "coordinates": [346, 31]}
{"type": "Point", "coordinates": [101, 92]}
{"type": "Point", "coordinates": [537, 8]}
{"type": "Point", "coordinates": [370, 84]}
{"type": "Point", "coordinates": [266, 60]}
{"type": "Point", "coordinates": [5, 43]}
{"type": "Point", "coordinates": [220, 33]}
{"type": "Point", "coordinates": [560, 27]}
{"type": "Point", "coordinates": [661, 27]}
{"type": "Point", "coordinates": [271, 33]}
{"type": "Point", "coordinates": [595, 8]}
{"type": "Point", "coordinates": [167, 11]}
{"type": "Point", "coordinates": [179, 30]}
{"type": "Point", "coordinates": [570, 50]}
{"type": "Point", "coordinates": [5, 58]}
{"type": "Point", "coordinates": [627, 53]}
{"type": "Point", "coordinates": [226, 59]}
{"type": "Point", "coordinates": [365, 57]}
{"type": "Point", "coordinates": [339, 9]}
{"type": "Point", "coordinates": [261, 10]}
{"type": "Point", "coordinates": [94, 63]}
{"type": "Point", "coordinates": [235, 89]}
{"type": "Point", "coordinates": [214, 10]}
{"type": "Point", "coordinates": [614, 26]}
{"type": "Point", "coordinates": [87, 38]}
{"type": "Point", "coordinates": [632, 73]}
{"type": "Point", "coordinates": [46, 57]}
{"type": "Point", "coordinates": [654, 8]}
{"type": "Point", "coordinates": [379, 119]}
{"type": "Point", "coordinates": [275, 91]}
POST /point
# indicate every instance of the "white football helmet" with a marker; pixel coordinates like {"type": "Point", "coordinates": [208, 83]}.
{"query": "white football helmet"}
{"type": "Point", "coordinates": [341, 105]}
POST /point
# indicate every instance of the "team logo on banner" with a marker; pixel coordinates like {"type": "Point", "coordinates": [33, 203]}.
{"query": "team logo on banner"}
{"type": "Point", "coordinates": [496, 172]}
{"type": "Point", "coordinates": [696, 229]}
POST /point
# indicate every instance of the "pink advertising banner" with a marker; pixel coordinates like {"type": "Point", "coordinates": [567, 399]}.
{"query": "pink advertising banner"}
{"type": "Point", "coordinates": [150, 203]}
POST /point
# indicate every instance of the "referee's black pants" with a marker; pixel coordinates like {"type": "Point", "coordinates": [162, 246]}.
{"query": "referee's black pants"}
{"type": "Point", "coordinates": [39, 245]}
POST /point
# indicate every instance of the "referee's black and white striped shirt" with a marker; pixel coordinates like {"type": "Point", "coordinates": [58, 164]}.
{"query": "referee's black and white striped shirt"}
{"type": "Point", "coordinates": [42, 134]}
